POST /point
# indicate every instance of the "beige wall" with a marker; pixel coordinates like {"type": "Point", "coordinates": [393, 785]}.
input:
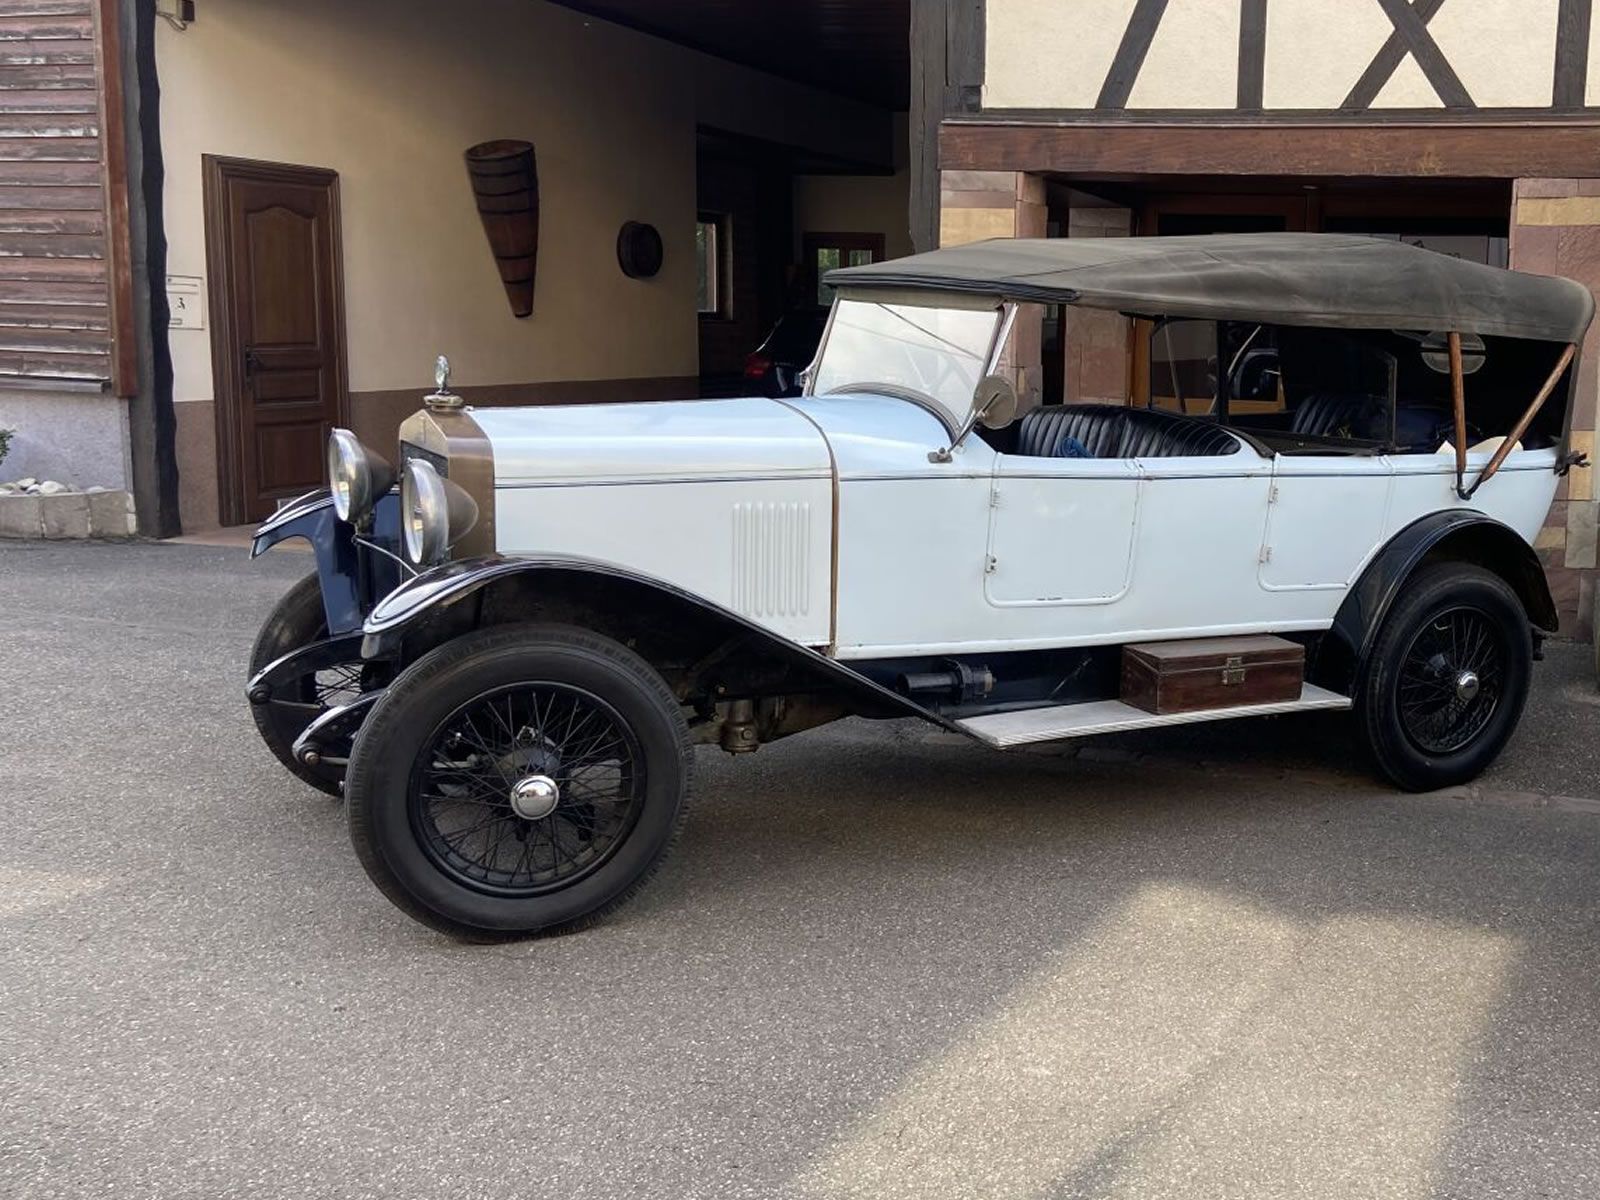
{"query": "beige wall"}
{"type": "Point", "coordinates": [389, 93]}
{"type": "Point", "coordinates": [1055, 53]}
{"type": "Point", "coordinates": [855, 204]}
{"type": "Point", "coordinates": [859, 203]}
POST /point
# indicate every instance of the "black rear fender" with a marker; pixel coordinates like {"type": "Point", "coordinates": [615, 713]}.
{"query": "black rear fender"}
{"type": "Point", "coordinates": [1456, 536]}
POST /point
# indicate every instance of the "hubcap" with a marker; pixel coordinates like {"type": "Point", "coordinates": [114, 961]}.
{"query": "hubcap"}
{"type": "Point", "coordinates": [535, 797]}
{"type": "Point", "coordinates": [1450, 682]}
{"type": "Point", "coordinates": [527, 788]}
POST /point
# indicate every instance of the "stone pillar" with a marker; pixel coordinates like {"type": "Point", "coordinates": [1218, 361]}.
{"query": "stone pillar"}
{"type": "Point", "coordinates": [974, 205]}
{"type": "Point", "coordinates": [1555, 230]}
{"type": "Point", "coordinates": [1098, 343]}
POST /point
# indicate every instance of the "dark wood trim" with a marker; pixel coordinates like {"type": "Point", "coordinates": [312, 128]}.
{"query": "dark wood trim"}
{"type": "Point", "coordinates": [1342, 118]}
{"type": "Point", "coordinates": [1136, 38]}
{"type": "Point", "coordinates": [1572, 53]}
{"type": "Point", "coordinates": [1389, 56]}
{"type": "Point", "coordinates": [929, 46]}
{"type": "Point", "coordinates": [965, 22]}
{"type": "Point", "coordinates": [1414, 31]}
{"type": "Point", "coordinates": [1252, 53]}
{"type": "Point", "coordinates": [216, 170]}
{"type": "Point", "coordinates": [1411, 149]}
{"type": "Point", "coordinates": [114, 162]}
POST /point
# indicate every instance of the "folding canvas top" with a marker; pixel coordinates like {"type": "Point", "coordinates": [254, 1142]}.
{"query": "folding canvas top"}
{"type": "Point", "coordinates": [1342, 280]}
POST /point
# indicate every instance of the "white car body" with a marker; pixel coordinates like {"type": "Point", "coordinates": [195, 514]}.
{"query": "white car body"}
{"type": "Point", "coordinates": [734, 501]}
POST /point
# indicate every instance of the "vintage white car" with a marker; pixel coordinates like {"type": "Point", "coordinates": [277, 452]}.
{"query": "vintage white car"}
{"type": "Point", "coordinates": [1325, 500]}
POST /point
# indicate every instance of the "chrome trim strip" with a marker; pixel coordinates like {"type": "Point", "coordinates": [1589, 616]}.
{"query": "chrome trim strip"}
{"type": "Point", "coordinates": [298, 507]}
{"type": "Point", "coordinates": [520, 485]}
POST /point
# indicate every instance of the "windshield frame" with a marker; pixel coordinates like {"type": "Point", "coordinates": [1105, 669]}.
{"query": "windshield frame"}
{"type": "Point", "coordinates": [952, 419]}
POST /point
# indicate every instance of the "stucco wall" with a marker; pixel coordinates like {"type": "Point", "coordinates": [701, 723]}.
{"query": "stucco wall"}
{"type": "Point", "coordinates": [1056, 53]}
{"type": "Point", "coordinates": [389, 93]}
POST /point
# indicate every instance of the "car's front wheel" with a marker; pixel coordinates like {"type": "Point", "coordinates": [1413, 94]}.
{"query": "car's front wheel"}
{"type": "Point", "coordinates": [1444, 686]}
{"type": "Point", "coordinates": [519, 780]}
{"type": "Point", "coordinates": [294, 623]}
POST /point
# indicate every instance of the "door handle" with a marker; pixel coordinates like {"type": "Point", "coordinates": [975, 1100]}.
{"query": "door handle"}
{"type": "Point", "coordinates": [252, 361]}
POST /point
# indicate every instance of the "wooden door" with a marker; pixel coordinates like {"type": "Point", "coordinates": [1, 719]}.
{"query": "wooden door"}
{"type": "Point", "coordinates": [272, 244]}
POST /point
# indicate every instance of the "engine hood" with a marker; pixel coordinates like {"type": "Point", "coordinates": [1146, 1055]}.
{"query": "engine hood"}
{"type": "Point", "coordinates": [652, 441]}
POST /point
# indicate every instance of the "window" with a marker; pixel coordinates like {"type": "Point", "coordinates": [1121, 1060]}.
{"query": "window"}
{"type": "Point", "coordinates": [828, 251]}
{"type": "Point", "coordinates": [711, 256]}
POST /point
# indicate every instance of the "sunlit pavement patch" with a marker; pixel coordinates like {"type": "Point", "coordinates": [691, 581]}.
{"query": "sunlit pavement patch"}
{"type": "Point", "coordinates": [1196, 1045]}
{"type": "Point", "coordinates": [22, 889]}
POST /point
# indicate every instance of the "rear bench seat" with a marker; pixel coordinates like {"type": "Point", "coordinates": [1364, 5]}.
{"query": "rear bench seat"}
{"type": "Point", "coordinates": [1116, 431]}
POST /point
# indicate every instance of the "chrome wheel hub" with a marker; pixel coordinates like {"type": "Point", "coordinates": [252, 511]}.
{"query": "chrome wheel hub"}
{"type": "Point", "coordinates": [535, 797]}
{"type": "Point", "coordinates": [1467, 685]}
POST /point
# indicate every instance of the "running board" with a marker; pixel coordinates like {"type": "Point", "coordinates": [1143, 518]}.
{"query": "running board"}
{"type": "Point", "coordinates": [1113, 716]}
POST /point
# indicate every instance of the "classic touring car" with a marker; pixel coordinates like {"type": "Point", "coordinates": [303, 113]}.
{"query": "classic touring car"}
{"type": "Point", "coordinates": [1322, 497]}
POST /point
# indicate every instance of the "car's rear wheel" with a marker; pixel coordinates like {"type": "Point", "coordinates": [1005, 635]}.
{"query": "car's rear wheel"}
{"type": "Point", "coordinates": [297, 621]}
{"type": "Point", "coordinates": [1444, 686]}
{"type": "Point", "coordinates": [520, 780]}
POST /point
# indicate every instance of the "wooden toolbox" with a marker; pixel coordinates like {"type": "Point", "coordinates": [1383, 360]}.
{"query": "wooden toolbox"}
{"type": "Point", "coordinates": [1226, 672]}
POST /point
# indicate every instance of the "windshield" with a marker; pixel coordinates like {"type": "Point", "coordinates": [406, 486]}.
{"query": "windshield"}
{"type": "Point", "coordinates": [936, 355]}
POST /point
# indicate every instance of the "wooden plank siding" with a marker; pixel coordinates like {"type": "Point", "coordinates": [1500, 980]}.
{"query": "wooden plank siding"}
{"type": "Point", "coordinates": [65, 287]}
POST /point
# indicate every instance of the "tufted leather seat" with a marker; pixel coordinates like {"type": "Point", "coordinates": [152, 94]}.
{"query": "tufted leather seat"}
{"type": "Point", "coordinates": [1115, 431]}
{"type": "Point", "coordinates": [1335, 414]}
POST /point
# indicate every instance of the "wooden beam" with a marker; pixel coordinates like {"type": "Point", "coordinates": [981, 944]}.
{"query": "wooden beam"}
{"type": "Point", "coordinates": [1571, 83]}
{"type": "Point", "coordinates": [1389, 56]}
{"type": "Point", "coordinates": [964, 55]}
{"type": "Point", "coordinates": [1426, 51]}
{"type": "Point", "coordinates": [1252, 52]}
{"type": "Point", "coordinates": [119, 242]}
{"type": "Point", "coordinates": [1136, 38]}
{"type": "Point", "coordinates": [1403, 149]}
{"type": "Point", "coordinates": [929, 38]}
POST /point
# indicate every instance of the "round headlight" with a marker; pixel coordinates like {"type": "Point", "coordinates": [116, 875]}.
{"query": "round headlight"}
{"type": "Point", "coordinates": [356, 476]}
{"type": "Point", "coordinates": [434, 513]}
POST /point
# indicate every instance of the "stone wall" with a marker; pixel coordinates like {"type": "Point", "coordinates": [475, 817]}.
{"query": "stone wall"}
{"type": "Point", "coordinates": [976, 205]}
{"type": "Point", "coordinates": [1555, 230]}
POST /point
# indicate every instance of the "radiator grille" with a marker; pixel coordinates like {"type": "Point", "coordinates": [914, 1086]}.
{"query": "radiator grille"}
{"type": "Point", "coordinates": [771, 558]}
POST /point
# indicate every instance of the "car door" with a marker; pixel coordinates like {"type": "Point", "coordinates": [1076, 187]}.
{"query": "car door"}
{"type": "Point", "coordinates": [1326, 514]}
{"type": "Point", "coordinates": [1061, 531]}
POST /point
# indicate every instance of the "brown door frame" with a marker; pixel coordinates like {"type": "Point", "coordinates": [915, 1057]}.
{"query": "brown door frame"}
{"type": "Point", "coordinates": [811, 242]}
{"type": "Point", "coordinates": [216, 171]}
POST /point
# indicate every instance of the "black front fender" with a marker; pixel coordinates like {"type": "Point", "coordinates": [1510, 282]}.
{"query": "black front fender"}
{"type": "Point", "coordinates": [422, 606]}
{"type": "Point", "coordinates": [350, 581]}
{"type": "Point", "coordinates": [1459, 535]}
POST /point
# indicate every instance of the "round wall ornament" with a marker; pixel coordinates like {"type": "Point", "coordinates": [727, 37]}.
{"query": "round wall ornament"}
{"type": "Point", "coordinates": [639, 250]}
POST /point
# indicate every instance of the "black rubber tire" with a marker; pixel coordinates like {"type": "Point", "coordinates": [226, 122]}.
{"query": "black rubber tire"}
{"type": "Point", "coordinates": [297, 621]}
{"type": "Point", "coordinates": [377, 783]}
{"type": "Point", "coordinates": [1432, 591]}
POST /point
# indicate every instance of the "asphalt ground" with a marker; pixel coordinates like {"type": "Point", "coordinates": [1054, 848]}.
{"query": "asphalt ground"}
{"type": "Point", "coordinates": [1222, 961]}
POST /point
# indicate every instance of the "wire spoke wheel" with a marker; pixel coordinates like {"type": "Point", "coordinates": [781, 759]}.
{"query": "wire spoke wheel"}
{"type": "Point", "coordinates": [1452, 679]}
{"type": "Point", "coordinates": [527, 788]}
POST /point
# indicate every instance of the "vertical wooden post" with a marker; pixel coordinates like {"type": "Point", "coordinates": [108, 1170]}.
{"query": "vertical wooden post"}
{"type": "Point", "coordinates": [1458, 399]}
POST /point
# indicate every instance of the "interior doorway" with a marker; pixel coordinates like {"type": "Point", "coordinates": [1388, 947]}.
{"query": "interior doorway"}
{"type": "Point", "coordinates": [277, 329]}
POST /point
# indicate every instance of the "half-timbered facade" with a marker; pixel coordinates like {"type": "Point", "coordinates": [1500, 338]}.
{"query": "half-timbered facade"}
{"type": "Point", "coordinates": [1468, 126]}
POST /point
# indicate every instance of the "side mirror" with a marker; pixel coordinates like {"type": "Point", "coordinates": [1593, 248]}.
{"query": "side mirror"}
{"type": "Point", "coordinates": [994, 406]}
{"type": "Point", "coordinates": [995, 403]}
